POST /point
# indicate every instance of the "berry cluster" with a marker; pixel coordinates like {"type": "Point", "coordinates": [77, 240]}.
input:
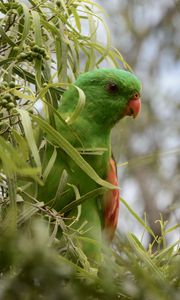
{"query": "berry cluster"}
{"type": "Point", "coordinates": [7, 99]}
{"type": "Point", "coordinates": [35, 52]}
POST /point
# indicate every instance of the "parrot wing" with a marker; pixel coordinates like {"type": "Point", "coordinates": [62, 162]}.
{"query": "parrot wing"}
{"type": "Point", "coordinates": [111, 203]}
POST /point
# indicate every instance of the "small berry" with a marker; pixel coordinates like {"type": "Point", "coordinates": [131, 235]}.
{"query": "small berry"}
{"type": "Point", "coordinates": [12, 84]}
{"type": "Point", "coordinates": [4, 102]}
{"type": "Point", "coordinates": [4, 83]}
{"type": "Point", "coordinates": [16, 48]}
{"type": "Point", "coordinates": [10, 105]}
{"type": "Point", "coordinates": [16, 97]}
{"type": "Point", "coordinates": [36, 48]}
{"type": "Point", "coordinates": [32, 43]}
{"type": "Point", "coordinates": [30, 58]}
{"type": "Point", "coordinates": [7, 96]}
{"type": "Point", "coordinates": [14, 111]}
{"type": "Point", "coordinates": [39, 56]}
{"type": "Point", "coordinates": [3, 125]}
{"type": "Point", "coordinates": [22, 56]}
{"type": "Point", "coordinates": [19, 190]}
{"type": "Point", "coordinates": [58, 3]}
{"type": "Point", "coordinates": [42, 51]}
{"type": "Point", "coordinates": [29, 55]}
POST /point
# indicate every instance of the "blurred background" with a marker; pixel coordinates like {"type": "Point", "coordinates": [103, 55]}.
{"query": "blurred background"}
{"type": "Point", "coordinates": [147, 33]}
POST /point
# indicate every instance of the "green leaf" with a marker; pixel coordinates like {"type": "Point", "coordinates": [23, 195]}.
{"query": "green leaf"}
{"type": "Point", "coordinates": [76, 18]}
{"type": "Point", "coordinates": [26, 122]}
{"type": "Point", "coordinates": [5, 37]}
{"type": "Point", "coordinates": [50, 165]}
{"type": "Point", "coordinates": [38, 41]}
{"type": "Point", "coordinates": [6, 61]}
{"type": "Point", "coordinates": [13, 162]}
{"type": "Point", "coordinates": [172, 228]}
{"type": "Point", "coordinates": [138, 243]}
{"type": "Point", "coordinates": [79, 107]}
{"type": "Point", "coordinates": [75, 203]}
{"type": "Point", "coordinates": [137, 217]}
{"type": "Point", "coordinates": [28, 211]}
{"type": "Point", "coordinates": [24, 74]}
{"type": "Point", "coordinates": [22, 144]}
{"type": "Point", "coordinates": [27, 22]}
{"type": "Point", "coordinates": [61, 186]}
{"type": "Point", "coordinates": [91, 151]}
{"type": "Point", "coordinates": [58, 57]}
{"type": "Point", "coordinates": [64, 5]}
{"type": "Point", "coordinates": [37, 28]}
{"type": "Point", "coordinates": [144, 256]}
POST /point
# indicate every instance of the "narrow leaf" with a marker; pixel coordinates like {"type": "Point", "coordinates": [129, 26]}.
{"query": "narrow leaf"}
{"type": "Point", "coordinates": [144, 256]}
{"type": "Point", "coordinates": [137, 217]}
{"type": "Point", "coordinates": [75, 203]}
{"type": "Point", "coordinates": [27, 22]}
{"type": "Point", "coordinates": [76, 18]}
{"type": "Point", "coordinates": [26, 122]}
{"type": "Point", "coordinates": [50, 165]}
{"type": "Point", "coordinates": [37, 28]}
{"type": "Point", "coordinates": [79, 107]}
{"type": "Point", "coordinates": [5, 37]}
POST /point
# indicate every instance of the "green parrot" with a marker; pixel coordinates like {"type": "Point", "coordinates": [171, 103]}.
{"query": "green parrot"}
{"type": "Point", "coordinates": [110, 95]}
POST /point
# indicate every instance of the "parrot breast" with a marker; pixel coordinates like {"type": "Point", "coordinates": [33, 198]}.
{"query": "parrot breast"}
{"type": "Point", "coordinates": [111, 203]}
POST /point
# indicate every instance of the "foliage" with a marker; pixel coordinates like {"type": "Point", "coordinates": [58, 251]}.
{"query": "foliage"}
{"type": "Point", "coordinates": [32, 268]}
{"type": "Point", "coordinates": [43, 47]}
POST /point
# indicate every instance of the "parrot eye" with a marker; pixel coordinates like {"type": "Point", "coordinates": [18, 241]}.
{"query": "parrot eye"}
{"type": "Point", "coordinates": [136, 95]}
{"type": "Point", "coordinates": [112, 87]}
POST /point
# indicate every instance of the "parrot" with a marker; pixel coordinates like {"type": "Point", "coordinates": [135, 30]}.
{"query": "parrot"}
{"type": "Point", "coordinates": [110, 95]}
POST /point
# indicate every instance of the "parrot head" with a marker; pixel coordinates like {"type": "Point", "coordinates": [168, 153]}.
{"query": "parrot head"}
{"type": "Point", "coordinates": [111, 94]}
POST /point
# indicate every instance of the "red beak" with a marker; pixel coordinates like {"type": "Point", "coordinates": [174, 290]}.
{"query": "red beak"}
{"type": "Point", "coordinates": [133, 108]}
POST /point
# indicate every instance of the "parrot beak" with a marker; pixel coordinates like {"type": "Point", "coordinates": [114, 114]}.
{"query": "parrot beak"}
{"type": "Point", "coordinates": [133, 108]}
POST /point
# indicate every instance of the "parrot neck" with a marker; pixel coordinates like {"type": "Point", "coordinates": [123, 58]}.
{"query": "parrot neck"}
{"type": "Point", "coordinates": [84, 134]}
{"type": "Point", "coordinates": [91, 134]}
